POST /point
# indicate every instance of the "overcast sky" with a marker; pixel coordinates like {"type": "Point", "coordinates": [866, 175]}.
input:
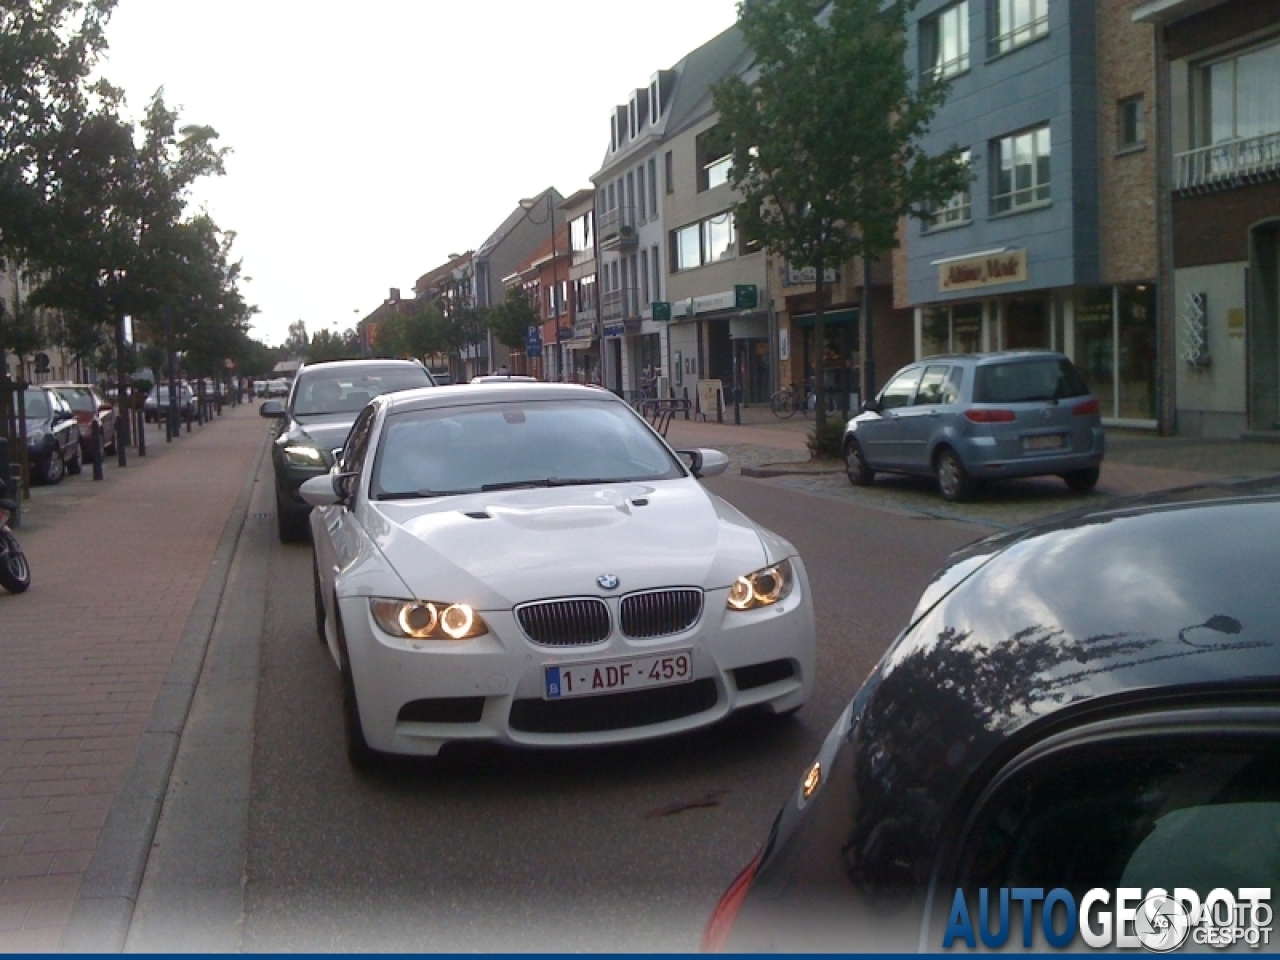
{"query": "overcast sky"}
{"type": "Point", "coordinates": [372, 139]}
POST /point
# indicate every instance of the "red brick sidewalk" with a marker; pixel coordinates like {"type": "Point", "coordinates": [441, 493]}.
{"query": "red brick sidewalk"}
{"type": "Point", "coordinates": [116, 570]}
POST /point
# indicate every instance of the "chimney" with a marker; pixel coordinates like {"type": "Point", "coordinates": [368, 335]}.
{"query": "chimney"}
{"type": "Point", "coordinates": [395, 295]}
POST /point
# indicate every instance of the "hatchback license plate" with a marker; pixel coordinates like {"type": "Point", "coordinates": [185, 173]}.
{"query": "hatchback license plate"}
{"type": "Point", "coordinates": [670, 667]}
{"type": "Point", "coordinates": [1049, 441]}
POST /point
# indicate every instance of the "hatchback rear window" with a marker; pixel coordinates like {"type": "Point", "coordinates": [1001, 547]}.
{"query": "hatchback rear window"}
{"type": "Point", "coordinates": [1025, 381]}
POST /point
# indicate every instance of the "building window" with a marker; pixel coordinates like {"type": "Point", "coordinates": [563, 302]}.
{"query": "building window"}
{"type": "Point", "coordinates": [581, 235]}
{"type": "Point", "coordinates": [669, 172]}
{"type": "Point", "coordinates": [1238, 96]}
{"type": "Point", "coordinates": [1015, 22]}
{"type": "Point", "coordinates": [657, 272]}
{"type": "Point", "coordinates": [644, 276]}
{"type": "Point", "coordinates": [640, 191]}
{"type": "Point", "coordinates": [1131, 124]}
{"type": "Point", "coordinates": [653, 187]}
{"type": "Point", "coordinates": [955, 211]}
{"type": "Point", "coordinates": [707, 241]}
{"type": "Point", "coordinates": [944, 43]}
{"type": "Point", "coordinates": [1021, 170]}
{"type": "Point", "coordinates": [714, 154]}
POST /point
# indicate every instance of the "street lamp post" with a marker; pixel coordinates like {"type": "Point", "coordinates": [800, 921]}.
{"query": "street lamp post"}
{"type": "Point", "coordinates": [528, 206]}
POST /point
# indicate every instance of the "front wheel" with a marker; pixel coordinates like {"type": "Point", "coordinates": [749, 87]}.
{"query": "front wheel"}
{"type": "Point", "coordinates": [954, 482]}
{"type": "Point", "coordinates": [56, 469]}
{"type": "Point", "coordinates": [855, 465]}
{"type": "Point", "coordinates": [1082, 481]}
{"type": "Point", "coordinates": [783, 405]}
{"type": "Point", "coordinates": [292, 526]}
{"type": "Point", "coordinates": [319, 601]}
{"type": "Point", "coordinates": [360, 755]}
{"type": "Point", "coordinates": [76, 466]}
{"type": "Point", "coordinates": [15, 573]}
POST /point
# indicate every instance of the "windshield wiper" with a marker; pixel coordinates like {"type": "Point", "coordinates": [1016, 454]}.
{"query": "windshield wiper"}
{"type": "Point", "coordinates": [421, 494]}
{"type": "Point", "coordinates": [548, 482]}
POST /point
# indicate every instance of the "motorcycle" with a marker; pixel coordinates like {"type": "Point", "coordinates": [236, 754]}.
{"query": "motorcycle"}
{"type": "Point", "coordinates": [15, 574]}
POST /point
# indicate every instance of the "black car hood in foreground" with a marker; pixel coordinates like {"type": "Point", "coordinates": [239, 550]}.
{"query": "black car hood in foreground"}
{"type": "Point", "coordinates": [1098, 613]}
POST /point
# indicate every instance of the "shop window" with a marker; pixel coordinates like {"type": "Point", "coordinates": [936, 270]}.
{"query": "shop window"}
{"type": "Point", "coordinates": [1016, 22]}
{"type": "Point", "coordinates": [1095, 345]}
{"type": "Point", "coordinates": [1021, 170]}
{"type": "Point", "coordinates": [1026, 324]}
{"type": "Point", "coordinates": [714, 155]}
{"type": "Point", "coordinates": [944, 43]}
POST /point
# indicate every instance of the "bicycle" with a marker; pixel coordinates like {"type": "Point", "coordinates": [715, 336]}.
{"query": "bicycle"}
{"type": "Point", "coordinates": [786, 401]}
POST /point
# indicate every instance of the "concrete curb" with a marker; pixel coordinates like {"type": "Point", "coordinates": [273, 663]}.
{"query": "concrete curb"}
{"type": "Point", "coordinates": [108, 893]}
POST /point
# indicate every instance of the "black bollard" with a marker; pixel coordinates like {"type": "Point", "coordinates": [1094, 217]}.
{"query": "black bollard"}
{"type": "Point", "coordinates": [142, 437]}
{"type": "Point", "coordinates": [97, 450]}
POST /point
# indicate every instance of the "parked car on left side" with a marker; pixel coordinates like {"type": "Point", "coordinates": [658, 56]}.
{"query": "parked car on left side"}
{"type": "Point", "coordinates": [53, 436]}
{"type": "Point", "coordinates": [89, 405]}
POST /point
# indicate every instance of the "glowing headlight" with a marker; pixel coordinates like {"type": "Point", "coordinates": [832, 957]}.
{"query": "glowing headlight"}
{"type": "Point", "coordinates": [762, 588]}
{"type": "Point", "coordinates": [427, 620]}
{"type": "Point", "coordinates": [303, 456]}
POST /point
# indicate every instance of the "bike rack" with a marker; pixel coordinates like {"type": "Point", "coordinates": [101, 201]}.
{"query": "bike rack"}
{"type": "Point", "coordinates": [660, 412]}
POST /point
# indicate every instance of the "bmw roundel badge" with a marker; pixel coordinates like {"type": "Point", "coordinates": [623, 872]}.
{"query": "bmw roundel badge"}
{"type": "Point", "coordinates": [608, 581]}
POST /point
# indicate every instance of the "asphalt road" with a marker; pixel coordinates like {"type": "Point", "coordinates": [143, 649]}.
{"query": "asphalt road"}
{"type": "Point", "coordinates": [619, 849]}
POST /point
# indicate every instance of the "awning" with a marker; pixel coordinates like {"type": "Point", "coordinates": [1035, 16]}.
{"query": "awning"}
{"type": "Point", "coordinates": [829, 317]}
{"type": "Point", "coordinates": [580, 344]}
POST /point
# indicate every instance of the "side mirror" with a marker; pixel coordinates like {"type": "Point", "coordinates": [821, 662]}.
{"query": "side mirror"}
{"type": "Point", "coordinates": [870, 406]}
{"type": "Point", "coordinates": [272, 410]}
{"type": "Point", "coordinates": [704, 462]}
{"type": "Point", "coordinates": [321, 491]}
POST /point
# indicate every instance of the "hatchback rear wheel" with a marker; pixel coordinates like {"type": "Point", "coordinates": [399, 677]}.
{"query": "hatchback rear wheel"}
{"type": "Point", "coordinates": [1082, 481]}
{"type": "Point", "coordinates": [954, 482]}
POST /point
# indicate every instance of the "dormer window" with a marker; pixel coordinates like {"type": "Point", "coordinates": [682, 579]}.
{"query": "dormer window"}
{"type": "Point", "coordinates": [613, 133]}
{"type": "Point", "coordinates": [633, 118]}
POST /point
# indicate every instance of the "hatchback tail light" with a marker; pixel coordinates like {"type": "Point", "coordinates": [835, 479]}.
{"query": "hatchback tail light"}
{"type": "Point", "coordinates": [1086, 409]}
{"type": "Point", "coordinates": [991, 416]}
{"type": "Point", "coordinates": [721, 923]}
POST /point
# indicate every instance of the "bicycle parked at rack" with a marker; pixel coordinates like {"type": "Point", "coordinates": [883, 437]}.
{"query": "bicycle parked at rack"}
{"type": "Point", "coordinates": [788, 400]}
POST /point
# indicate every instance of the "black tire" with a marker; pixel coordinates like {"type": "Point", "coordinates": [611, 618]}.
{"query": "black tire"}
{"type": "Point", "coordinates": [76, 466]}
{"type": "Point", "coordinates": [362, 757]}
{"type": "Point", "coordinates": [783, 405]}
{"type": "Point", "coordinates": [855, 465]}
{"type": "Point", "coordinates": [1082, 481]}
{"type": "Point", "coordinates": [56, 469]}
{"type": "Point", "coordinates": [291, 525]}
{"type": "Point", "coordinates": [319, 601]}
{"type": "Point", "coordinates": [15, 572]}
{"type": "Point", "coordinates": [954, 482]}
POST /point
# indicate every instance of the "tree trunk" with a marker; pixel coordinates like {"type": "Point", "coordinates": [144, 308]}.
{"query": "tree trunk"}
{"type": "Point", "coordinates": [868, 343]}
{"type": "Point", "coordinates": [124, 413]}
{"type": "Point", "coordinates": [820, 348]}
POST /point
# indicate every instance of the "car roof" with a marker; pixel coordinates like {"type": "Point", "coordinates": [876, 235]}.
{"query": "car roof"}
{"type": "Point", "coordinates": [356, 365]}
{"type": "Point", "coordinates": [990, 357]}
{"type": "Point", "coordinates": [471, 394]}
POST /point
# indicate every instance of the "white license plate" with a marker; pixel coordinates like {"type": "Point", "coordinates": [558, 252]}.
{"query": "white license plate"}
{"type": "Point", "coordinates": [560, 681]}
{"type": "Point", "coordinates": [1051, 441]}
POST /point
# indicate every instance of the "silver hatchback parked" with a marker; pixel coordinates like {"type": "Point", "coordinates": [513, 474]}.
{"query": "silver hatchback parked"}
{"type": "Point", "coordinates": [976, 417]}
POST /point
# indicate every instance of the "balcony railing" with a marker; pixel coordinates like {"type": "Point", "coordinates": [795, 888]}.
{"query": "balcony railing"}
{"type": "Point", "coordinates": [1223, 163]}
{"type": "Point", "coordinates": [617, 227]}
{"type": "Point", "coordinates": [621, 304]}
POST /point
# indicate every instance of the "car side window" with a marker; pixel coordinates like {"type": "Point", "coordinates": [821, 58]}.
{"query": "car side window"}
{"type": "Point", "coordinates": [900, 390]}
{"type": "Point", "coordinates": [1170, 811]}
{"type": "Point", "coordinates": [951, 389]}
{"type": "Point", "coordinates": [351, 460]}
{"type": "Point", "coordinates": [931, 386]}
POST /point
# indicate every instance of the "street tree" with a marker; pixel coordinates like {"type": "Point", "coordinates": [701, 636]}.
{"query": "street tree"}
{"type": "Point", "coordinates": [297, 341]}
{"type": "Point", "coordinates": [825, 130]}
{"type": "Point", "coordinates": [510, 320]}
{"type": "Point", "coordinates": [327, 345]}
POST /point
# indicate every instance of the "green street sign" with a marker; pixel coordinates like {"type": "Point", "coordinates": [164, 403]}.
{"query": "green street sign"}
{"type": "Point", "coordinates": [661, 311]}
{"type": "Point", "coordinates": [746, 296]}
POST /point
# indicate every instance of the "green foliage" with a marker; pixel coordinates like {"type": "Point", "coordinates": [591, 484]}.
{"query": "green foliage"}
{"type": "Point", "coordinates": [327, 345]}
{"type": "Point", "coordinates": [826, 440]}
{"type": "Point", "coordinates": [510, 320]}
{"type": "Point", "coordinates": [825, 138]}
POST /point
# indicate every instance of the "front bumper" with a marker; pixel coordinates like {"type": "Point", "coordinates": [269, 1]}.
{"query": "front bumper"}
{"type": "Point", "coordinates": [417, 696]}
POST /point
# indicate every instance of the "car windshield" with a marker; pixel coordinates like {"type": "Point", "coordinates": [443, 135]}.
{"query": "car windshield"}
{"type": "Point", "coordinates": [1025, 381]}
{"type": "Point", "coordinates": [81, 400]}
{"type": "Point", "coordinates": [438, 452]}
{"type": "Point", "coordinates": [36, 404]}
{"type": "Point", "coordinates": [324, 392]}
